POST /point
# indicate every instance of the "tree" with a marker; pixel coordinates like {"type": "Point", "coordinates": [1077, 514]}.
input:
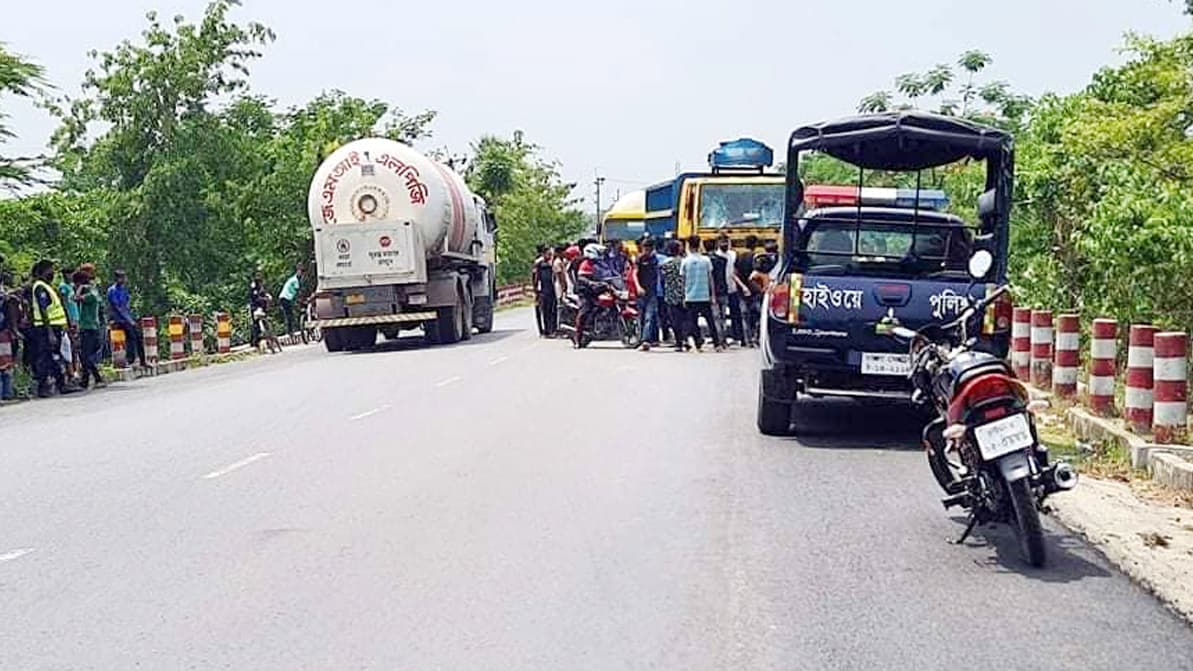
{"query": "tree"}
{"type": "Point", "coordinates": [993, 103]}
{"type": "Point", "coordinates": [532, 203]}
{"type": "Point", "coordinates": [879, 101]}
{"type": "Point", "coordinates": [24, 78]}
{"type": "Point", "coordinates": [155, 98]}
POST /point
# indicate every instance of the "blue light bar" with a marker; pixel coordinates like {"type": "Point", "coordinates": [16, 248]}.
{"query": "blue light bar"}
{"type": "Point", "coordinates": [930, 199]}
{"type": "Point", "coordinates": [743, 153]}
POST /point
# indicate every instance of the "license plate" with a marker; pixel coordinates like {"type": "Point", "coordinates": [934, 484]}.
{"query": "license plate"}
{"type": "Point", "coordinates": [1003, 436]}
{"type": "Point", "coordinates": [354, 299]}
{"type": "Point", "coordinates": [882, 363]}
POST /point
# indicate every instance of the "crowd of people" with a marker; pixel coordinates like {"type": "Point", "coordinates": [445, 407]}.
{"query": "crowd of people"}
{"type": "Point", "coordinates": [56, 330]}
{"type": "Point", "coordinates": [675, 284]}
{"type": "Point", "coordinates": [54, 325]}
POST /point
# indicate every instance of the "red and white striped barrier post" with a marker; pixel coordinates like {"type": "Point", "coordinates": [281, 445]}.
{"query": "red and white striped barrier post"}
{"type": "Point", "coordinates": [194, 324]}
{"type": "Point", "coordinates": [1067, 357]}
{"type": "Point", "coordinates": [1041, 348]}
{"type": "Point", "coordinates": [148, 339]}
{"type": "Point", "coordinates": [119, 353]}
{"type": "Point", "coordinates": [1170, 371]}
{"type": "Point", "coordinates": [1140, 354]}
{"type": "Point", "coordinates": [223, 332]}
{"type": "Point", "coordinates": [1021, 343]}
{"type": "Point", "coordinates": [175, 329]}
{"type": "Point", "coordinates": [1103, 365]}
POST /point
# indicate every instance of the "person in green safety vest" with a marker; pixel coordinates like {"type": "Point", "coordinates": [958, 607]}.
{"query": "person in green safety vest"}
{"type": "Point", "coordinates": [48, 322]}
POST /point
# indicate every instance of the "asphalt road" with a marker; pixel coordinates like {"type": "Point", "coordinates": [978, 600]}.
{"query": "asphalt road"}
{"type": "Point", "coordinates": [508, 503]}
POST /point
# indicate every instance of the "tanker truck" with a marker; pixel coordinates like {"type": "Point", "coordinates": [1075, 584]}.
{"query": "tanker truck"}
{"type": "Point", "coordinates": [400, 243]}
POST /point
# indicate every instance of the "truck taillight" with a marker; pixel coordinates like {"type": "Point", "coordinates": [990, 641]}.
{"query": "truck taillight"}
{"type": "Point", "coordinates": [785, 299]}
{"type": "Point", "coordinates": [999, 313]}
{"type": "Point", "coordinates": [779, 297]}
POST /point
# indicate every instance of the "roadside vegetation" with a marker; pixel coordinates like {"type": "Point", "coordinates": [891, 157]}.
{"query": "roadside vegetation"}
{"type": "Point", "coordinates": [170, 165]}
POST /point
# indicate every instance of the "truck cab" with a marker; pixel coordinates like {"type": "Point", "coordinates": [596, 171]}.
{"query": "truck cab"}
{"type": "Point", "coordinates": [625, 221]}
{"type": "Point", "coordinates": [853, 256]}
{"type": "Point", "coordinates": [736, 197]}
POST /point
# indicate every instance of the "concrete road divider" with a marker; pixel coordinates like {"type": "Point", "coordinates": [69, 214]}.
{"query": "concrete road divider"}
{"type": "Point", "coordinates": [1170, 372]}
{"type": "Point", "coordinates": [119, 346]}
{"type": "Point", "coordinates": [223, 332]}
{"type": "Point", "coordinates": [1068, 356]}
{"type": "Point", "coordinates": [194, 324]}
{"type": "Point", "coordinates": [1041, 348]}
{"type": "Point", "coordinates": [1103, 365]}
{"type": "Point", "coordinates": [176, 328]}
{"type": "Point", "coordinates": [1021, 343]}
{"type": "Point", "coordinates": [149, 339]}
{"type": "Point", "coordinates": [1140, 355]}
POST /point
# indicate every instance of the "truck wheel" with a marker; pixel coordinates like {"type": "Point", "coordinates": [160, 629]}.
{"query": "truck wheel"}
{"type": "Point", "coordinates": [482, 311]}
{"type": "Point", "coordinates": [365, 337]}
{"type": "Point", "coordinates": [333, 340]}
{"type": "Point", "coordinates": [774, 417]}
{"type": "Point", "coordinates": [466, 313]}
{"type": "Point", "coordinates": [447, 326]}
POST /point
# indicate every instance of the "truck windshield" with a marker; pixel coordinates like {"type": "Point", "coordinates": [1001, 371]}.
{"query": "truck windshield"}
{"type": "Point", "coordinates": [623, 229]}
{"type": "Point", "coordinates": [729, 205]}
{"type": "Point", "coordinates": [939, 246]}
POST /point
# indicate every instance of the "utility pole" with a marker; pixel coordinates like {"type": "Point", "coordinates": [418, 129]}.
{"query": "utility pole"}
{"type": "Point", "coordinates": [598, 182]}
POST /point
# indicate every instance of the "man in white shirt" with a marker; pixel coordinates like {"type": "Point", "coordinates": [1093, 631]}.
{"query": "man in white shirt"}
{"type": "Point", "coordinates": [734, 292]}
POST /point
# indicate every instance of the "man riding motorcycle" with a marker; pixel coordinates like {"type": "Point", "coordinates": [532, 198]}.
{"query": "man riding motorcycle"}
{"type": "Point", "coordinates": [591, 280]}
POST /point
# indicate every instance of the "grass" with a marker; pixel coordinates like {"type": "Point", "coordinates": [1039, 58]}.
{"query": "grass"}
{"type": "Point", "coordinates": [1104, 461]}
{"type": "Point", "coordinates": [1108, 461]}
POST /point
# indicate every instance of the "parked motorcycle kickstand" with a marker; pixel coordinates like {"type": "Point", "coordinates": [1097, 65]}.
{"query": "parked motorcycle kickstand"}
{"type": "Point", "coordinates": [973, 523]}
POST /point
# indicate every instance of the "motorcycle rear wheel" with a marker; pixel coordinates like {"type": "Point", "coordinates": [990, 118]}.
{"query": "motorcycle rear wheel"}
{"type": "Point", "coordinates": [1027, 522]}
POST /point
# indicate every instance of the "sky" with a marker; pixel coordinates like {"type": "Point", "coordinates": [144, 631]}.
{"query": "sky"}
{"type": "Point", "coordinates": [627, 90]}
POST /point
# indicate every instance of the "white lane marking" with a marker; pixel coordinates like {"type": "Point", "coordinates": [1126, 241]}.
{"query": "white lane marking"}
{"type": "Point", "coordinates": [15, 554]}
{"type": "Point", "coordinates": [498, 360]}
{"type": "Point", "coordinates": [367, 413]}
{"type": "Point", "coordinates": [240, 464]}
{"type": "Point", "coordinates": [444, 383]}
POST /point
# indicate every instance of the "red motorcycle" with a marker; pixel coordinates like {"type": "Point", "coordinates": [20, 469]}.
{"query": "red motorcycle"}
{"type": "Point", "coordinates": [615, 316]}
{"type": "Point", "coordinates": [982, 447]}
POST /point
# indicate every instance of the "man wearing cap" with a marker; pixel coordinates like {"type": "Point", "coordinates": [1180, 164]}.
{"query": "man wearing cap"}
{"type": "Point", "coordinates": [48, 324]}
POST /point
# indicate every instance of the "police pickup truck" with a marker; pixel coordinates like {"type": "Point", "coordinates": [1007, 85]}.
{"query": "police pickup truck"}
{"type": "Point", "coordinates": [853, 259]}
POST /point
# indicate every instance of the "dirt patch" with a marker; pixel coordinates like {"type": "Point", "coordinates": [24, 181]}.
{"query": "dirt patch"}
{"type": "Point", "coordinates": [1149, 541]}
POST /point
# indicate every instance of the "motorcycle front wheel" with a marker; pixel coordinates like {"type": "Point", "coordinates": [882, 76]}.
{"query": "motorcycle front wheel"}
{"type": "Point", "coordinates": [1027, 522]}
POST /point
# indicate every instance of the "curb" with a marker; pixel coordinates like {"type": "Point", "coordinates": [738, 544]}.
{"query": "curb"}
{"type": "Point", "coordinates": [177, 365]}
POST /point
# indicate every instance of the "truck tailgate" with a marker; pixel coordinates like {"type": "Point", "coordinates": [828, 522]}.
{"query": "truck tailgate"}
{"type": "Point", "coordinates": [834, 317]}
{"type": "Point", "coordinates": [367, 251]}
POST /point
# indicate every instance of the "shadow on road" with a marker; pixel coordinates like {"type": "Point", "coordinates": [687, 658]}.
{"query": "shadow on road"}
{"type": "Point", "coordinates": [1065, 561]}
{"type": "Point", "coordinates": [846, 424]}
{"type": "Point", "coordinates": [415, 342]}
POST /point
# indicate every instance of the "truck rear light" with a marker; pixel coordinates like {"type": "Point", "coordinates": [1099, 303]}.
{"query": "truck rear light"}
{"type": "Point", "coordinates": [998, 315]}
{"type": "Point", "coordinates": [779, 297]}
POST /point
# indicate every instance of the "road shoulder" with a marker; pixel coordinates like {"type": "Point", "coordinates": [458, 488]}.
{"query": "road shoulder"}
{"type": "Point", "coordinates": [1150, 542]}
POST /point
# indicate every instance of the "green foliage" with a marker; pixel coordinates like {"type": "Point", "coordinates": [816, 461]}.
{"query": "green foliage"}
{"type": "Point", "coordinates": [993, 103]}
{"type": "Point", "coordinates": [1103, 204]}
{"type": "Point", "coordinates": [532, 203]}
{"type": "Point", "coordinates": [172, 169]}
{"type": "Point", "coordinates": [23, 78]}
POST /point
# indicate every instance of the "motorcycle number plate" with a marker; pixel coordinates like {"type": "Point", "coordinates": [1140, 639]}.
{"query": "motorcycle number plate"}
{"type": "Point", "coordinates": [1003, 436]}
{"type": "Point", "coordinates": [883, 363]}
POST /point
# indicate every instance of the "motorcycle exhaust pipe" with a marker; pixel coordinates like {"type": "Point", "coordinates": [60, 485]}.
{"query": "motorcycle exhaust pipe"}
{"type": "Point", "coordinates": [1063, 476]}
